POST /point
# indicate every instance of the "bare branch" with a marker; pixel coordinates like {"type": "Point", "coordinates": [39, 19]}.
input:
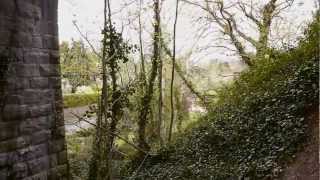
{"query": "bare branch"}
{"type": "Point", "coordinates": [107, 131]}
{"type": "Point", "coordinates": [227, 16]}
{"type": "Point", "coordinates": [182, 76]}
{"type": "Point", "coordinates": [249, 15]}
{"type": "Point", "coordinates": [86, 38]}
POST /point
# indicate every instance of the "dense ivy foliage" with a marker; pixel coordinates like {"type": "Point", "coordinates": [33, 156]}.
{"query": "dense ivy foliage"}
{"type": "Point", "coordinates": [257, 124]}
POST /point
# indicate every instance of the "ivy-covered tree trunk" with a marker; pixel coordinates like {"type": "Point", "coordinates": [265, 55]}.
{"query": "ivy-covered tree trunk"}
{"type": "Point", "coordinates": [264, 28]}
{"type": "Point", "coordinates": [99, 165]}
{"type": "Point", "coordinates": [115, 51]}
{"type": "Point", "coordinates": [147, 97]}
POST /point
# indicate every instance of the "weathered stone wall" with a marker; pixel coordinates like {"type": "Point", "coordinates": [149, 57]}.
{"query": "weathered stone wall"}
{"type": "Point", "coordinates": [32, 144]}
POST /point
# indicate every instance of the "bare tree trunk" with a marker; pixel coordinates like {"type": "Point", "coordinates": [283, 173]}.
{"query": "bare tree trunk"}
{"type": "Point", "coordinates": [143, 69]}
{"type": "Point", "coordinates": [231, 27]}
{"type": "Point", "coordinates": [160, 105]}
{"type": "Point", "coordinates": [172, 72]}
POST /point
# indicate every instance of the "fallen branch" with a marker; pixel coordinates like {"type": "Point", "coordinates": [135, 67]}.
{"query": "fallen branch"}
{"type": "Point", "coordinates": [138, 169]}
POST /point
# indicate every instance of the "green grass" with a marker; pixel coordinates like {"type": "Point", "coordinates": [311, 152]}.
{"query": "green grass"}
{"type": "Point", "coordinates": [77, 100]}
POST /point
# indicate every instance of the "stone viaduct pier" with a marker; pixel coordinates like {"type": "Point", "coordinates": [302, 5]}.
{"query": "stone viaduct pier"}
{"type": "Point", "coordinates": [32, 133]}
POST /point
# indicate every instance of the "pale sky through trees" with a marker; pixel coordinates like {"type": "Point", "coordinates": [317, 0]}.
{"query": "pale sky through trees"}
{"type": "Point", "coordinates": [89, 14]}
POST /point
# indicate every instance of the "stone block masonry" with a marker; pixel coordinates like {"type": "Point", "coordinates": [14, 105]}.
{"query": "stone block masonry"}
{"type": "Point", "coordinates": [32, 134]}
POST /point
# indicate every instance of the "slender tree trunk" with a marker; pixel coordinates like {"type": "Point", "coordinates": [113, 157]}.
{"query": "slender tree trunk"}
{"type": "Point", "coordinates": [99, 167]}
{"type": "Point", "coordinates": [146, 99]}
{"type": "Point", "coordinates": [183, 77]}
{"type": "Point", "coordinates": [160, 105]}
{"type": "Point", "coordinates": [143, 69]}
{"type": "Point", "coordinates": [172, 72]}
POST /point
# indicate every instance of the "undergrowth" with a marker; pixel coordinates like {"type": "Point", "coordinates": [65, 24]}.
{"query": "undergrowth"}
{"type": "Point", "coordinates": [257, 124]}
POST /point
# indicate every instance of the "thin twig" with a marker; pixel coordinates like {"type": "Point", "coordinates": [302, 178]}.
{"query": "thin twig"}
{"type": "Point", "coordinates": [86, 38]}
{"type": "Point", "coordinates": [112, 133]}
{"type": "Point", "coordinates": [138, 169]}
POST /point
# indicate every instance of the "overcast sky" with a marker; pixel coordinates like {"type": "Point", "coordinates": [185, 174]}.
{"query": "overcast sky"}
{"type": "Point", "coordinates": [88, 14]}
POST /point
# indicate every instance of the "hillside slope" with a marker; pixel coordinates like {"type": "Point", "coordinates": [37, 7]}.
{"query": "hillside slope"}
{"type": "Point", "coordinates": [306, 163]}
{"type": "Point", "coordinates": [255, 128]}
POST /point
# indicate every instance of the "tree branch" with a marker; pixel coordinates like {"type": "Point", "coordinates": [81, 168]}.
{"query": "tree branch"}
{"type": "Point", "coordinates": [86, 38]}
{"type": "Point", "coordinates": [181, 74]}
{"type": "Point", "coordinates": [248, 14]}
{"type": "Point", "coordinates": [107, 131]}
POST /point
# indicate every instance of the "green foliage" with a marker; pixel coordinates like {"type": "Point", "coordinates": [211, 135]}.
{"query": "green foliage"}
{"type": "Point", "coordinates": [78, 65]}
{"type": "Point", "coordinates": [257, 124]}
{"type": "Point", "coordinates": [117, 55]}
{"type": "Point", "coordinates": [118, 49]}
{"type": "Point", "coordinates": [114, 98]}
{"type": "Point", "coordinates": [77, 100]}
{"type": "Point", "coordinates": [79, 153]}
